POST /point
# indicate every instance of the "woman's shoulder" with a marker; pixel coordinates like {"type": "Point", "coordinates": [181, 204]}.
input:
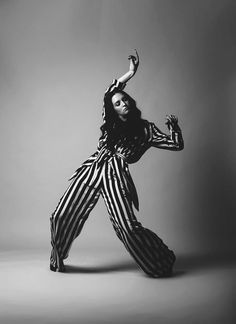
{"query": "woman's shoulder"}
{"type": "Point", "coordinates": [150, 127]}
{"type": "Point", "coordinates": [146, 123]}
{"type": "Point", "coordinates": [149, 124]}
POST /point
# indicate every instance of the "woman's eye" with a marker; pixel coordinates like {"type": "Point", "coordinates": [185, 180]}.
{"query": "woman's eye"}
{"type": "Point", "coordinates": [117, 103]}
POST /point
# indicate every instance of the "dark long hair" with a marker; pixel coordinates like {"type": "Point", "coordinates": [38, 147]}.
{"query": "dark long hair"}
{"type": "Point", "coordinates": [117, 129]}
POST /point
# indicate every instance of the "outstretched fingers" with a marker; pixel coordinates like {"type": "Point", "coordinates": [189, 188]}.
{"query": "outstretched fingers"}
{"type": "Point", "coordinates": [137, 56]}
{"type": "Point", "coordinates": [134, 61]}
{"type": "Point", "coordinates": [171, 120]}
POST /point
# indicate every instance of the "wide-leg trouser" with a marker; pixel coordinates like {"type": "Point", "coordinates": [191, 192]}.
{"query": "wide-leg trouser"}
{"type": "Point", "coordinates": [147, 249]}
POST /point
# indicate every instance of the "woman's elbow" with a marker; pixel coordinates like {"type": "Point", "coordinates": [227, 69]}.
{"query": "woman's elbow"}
{"type": "Point", "coordinates": [180, 146]}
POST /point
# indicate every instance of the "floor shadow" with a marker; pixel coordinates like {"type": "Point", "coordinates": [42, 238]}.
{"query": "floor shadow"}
{"type": "Point", "coordinates": [174, 274]}
{"type": "Point", "coordinates": [116, 267]}
{"type": "Point", "coordinates": [184, 264]}
{"type": "Point", "coordinates": [192, 263]}
{"type": "Point", "coordinates": [113, 267]}
{"type": "Point", "coordinates": [178, 273]}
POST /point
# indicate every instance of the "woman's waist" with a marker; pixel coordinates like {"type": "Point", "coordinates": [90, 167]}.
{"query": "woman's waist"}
{"type": "Point", "coordinates": [104, 154]}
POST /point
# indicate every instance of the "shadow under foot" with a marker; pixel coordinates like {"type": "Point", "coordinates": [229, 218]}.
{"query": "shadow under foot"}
{"type": "Point", "coordinates": [120, 266]}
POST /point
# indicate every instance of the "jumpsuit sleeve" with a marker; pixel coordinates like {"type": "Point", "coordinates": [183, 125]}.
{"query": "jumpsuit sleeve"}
{"type": "Point", "coordinates": [173, 141]}
{"type": "Point", "coordinates": [115, 85]}
{"type": "Point", "coordinates": [102, 141]}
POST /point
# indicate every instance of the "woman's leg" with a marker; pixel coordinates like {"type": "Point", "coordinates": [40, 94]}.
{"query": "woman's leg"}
{"type": "Point", "coordinates": [147, 249]}
{"type": "Point", "coordinates": [69, 217]}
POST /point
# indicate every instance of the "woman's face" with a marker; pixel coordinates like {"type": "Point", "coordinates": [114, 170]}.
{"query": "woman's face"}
{"type": "Point", "coordinates": [121, 105]}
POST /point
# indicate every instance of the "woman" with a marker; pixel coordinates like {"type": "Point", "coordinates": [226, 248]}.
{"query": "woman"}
{"type": "Point", "coordinates": [124, 139]}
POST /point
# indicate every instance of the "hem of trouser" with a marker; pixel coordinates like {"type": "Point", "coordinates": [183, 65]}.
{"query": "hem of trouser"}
{"type": "Point", "coordinates": [56, 263]}
{"type": "Point", "coordinates": [57, 266]}
{"type": "Point", "coordinates": [165, 274]}
{"type": "Point", "coordinates": [57, 269]}
{"type": "Point", "coordinates": [155, 270]}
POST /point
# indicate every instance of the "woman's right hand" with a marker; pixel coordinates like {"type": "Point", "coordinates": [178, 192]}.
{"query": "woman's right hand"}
{"type": "Point", "coordinates": [133, 65]}
{"type": "Point", "coordinates": [134, 62]}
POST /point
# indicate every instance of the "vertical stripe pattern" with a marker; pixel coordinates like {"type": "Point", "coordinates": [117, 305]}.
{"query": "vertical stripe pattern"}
{"type": "Point", "coordinates": [109, 180]}
{"type": "Point", "coordinates": [107, 173]}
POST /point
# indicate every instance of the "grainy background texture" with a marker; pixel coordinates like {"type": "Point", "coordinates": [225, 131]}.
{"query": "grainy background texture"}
{"type": "Point", "coordinates": [57, 58]}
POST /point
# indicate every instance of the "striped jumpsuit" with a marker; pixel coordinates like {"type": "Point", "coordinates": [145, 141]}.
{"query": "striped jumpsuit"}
{"type": "Point", "coordinates": [108, 174]}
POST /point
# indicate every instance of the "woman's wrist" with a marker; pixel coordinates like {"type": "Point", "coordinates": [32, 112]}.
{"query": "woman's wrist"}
{"type": "Point", "coordinates": [175, 128]}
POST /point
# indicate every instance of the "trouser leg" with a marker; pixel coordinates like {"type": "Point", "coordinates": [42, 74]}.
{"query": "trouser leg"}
{"type": "Point", "coordinates": [69, 217]}
{"type": "Point", "coordinates": [147, 249]}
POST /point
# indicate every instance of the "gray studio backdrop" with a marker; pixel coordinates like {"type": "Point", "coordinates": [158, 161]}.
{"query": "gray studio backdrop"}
{"type": "Point", "coordinates": [56, 60]}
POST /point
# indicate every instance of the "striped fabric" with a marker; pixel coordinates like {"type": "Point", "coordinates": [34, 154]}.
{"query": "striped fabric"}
{"type": "Point", "coordinates": [108, 174]}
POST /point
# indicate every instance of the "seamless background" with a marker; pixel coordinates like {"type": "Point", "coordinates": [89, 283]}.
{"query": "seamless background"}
{"type": "Point", "coordinates": [56, 60]}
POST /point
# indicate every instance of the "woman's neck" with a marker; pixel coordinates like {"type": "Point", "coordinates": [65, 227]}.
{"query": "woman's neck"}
{"type": "Point", "coordinates": [123, 119]}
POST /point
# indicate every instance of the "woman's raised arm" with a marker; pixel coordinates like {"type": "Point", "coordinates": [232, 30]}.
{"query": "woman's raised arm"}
{"type": "Point", "coordinates": [119, 84]}
{"type": "Point", "coordinates": [133, 66]}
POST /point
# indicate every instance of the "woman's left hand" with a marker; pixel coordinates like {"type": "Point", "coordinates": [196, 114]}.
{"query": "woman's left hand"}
{"type": "Point", "coordinates": [172, 122]}
{"type": "Point", "coordinates": [134, 62]}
